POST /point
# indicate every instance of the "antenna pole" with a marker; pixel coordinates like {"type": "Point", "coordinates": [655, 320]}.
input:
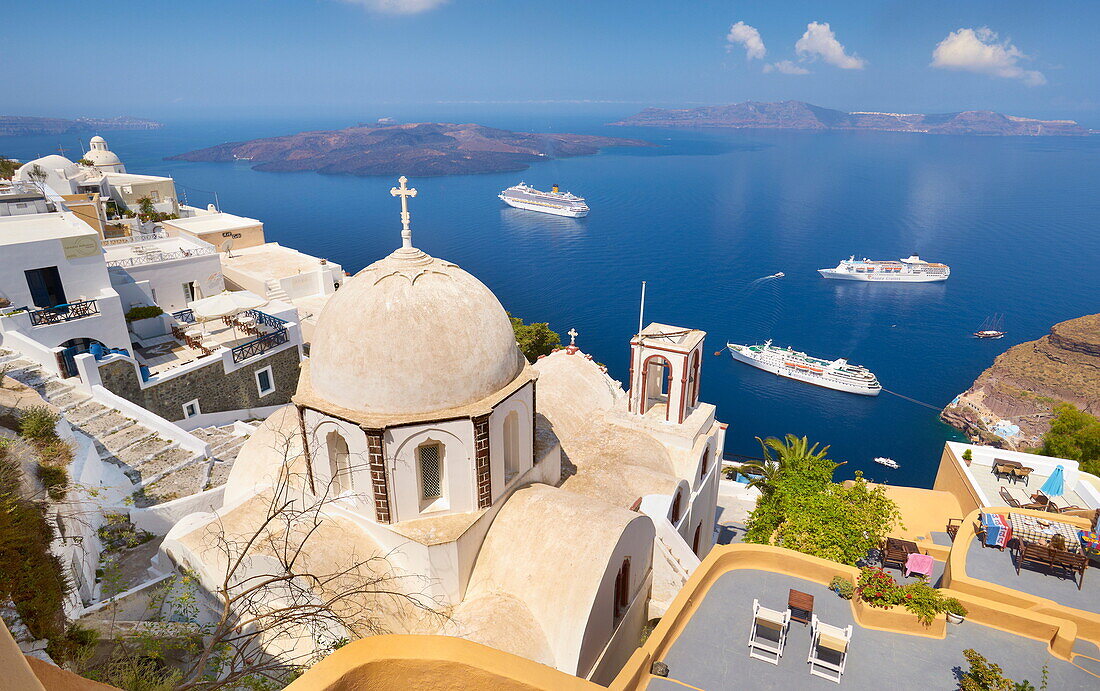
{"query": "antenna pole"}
{"type": "Point", "coordinates": [641, 309]}
{"type": "Point", "coordinates": [217, 204]}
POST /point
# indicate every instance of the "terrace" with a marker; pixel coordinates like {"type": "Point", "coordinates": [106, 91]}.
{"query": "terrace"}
{"type": "Point", "coordinates": [153, 248]}
{"type": "Point", "coordinates": [995, 566]}
{"type": "Point", "coordinates": [247, 335]}
{"type": "Point", "coordinates": [711, 652]}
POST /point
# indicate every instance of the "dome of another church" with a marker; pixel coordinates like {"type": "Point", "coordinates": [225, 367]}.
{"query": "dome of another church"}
{"type": "Point", "coordinates": [412, 334]}
{"type": "Point", "coordinates": [102, 157]}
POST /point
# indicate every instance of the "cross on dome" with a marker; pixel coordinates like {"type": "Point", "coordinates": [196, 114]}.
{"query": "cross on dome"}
{"type": "Point", "coordinates": [404, 192]}
{"type": "Point", "coordinates": [572, 333]}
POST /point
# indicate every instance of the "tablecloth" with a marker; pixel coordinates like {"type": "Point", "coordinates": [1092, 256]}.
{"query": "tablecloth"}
{"type": "Point", "coordinates": [1029, 529]}
{"type": "Point", "coordinates": [919, 563]}
{"type": "Point", "coordinates": [998, 531]}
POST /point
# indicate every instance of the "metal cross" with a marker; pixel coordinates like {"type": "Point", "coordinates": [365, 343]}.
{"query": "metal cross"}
{"type": "Point", "coordinates": [404, 192]}
{"type": "Point", "coordinates": [572, 333]}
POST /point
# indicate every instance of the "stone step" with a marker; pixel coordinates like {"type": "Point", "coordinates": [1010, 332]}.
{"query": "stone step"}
{"type": "Point", "coordinates": [226, 447]}
{"type": "Point", "coordinates": [106, 424]}
{"type": "Point", "coordinates": [164, 462]}
{"type": "Point", "coordinates": [127, 436]}
{"type": "Point", "coordinates": [180, 482]}
{"type": "Point", "coordinates": [57, 387]}
{"type": "Point", "coordinates": [83, 413]}
{"type": "Point", "coordinates": [69, 398]}
{"type": "Point", "coordinates": [142, 452]}
{"type": "Point", "coordinates": [219, 473]}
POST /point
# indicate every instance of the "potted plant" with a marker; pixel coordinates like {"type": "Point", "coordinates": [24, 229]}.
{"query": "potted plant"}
{"type": "Point", "coordinates": [842, 587]}
{"type": "Point", "coordinates": [968, 456]}
{"type": "Point", "coordinates": [954, 609]}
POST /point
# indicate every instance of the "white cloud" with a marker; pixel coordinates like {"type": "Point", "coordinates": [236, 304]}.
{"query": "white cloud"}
{"type": "Point", "coordinates": [819, 41]}
{"type": "Point", "coordinates": [747, 36]}
{"type": "Point", "coordinates": [397, 6]}
{"type": "Point", "coordinates": [978, 50]}
{"type": "Point", "coordinates": [786, 67]}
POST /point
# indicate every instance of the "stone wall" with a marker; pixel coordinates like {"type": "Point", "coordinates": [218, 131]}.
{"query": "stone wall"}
{"type": "Point", "coordinates": [217, 391]}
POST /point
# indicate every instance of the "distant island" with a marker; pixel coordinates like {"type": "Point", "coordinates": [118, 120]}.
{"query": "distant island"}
{"type": "Point", "coordinates": [797, 115]}
{"type": "Point", "coordinates": [422, 148]}
{"type": "Point", "coordinates": [1027, 380]}
{"type": "Point", "coordinates": [23, 125]}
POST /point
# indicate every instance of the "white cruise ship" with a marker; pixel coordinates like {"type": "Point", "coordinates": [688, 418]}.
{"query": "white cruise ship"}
{"type": "Point", "coordinates": [523, 196]}
{"type": "Point", "coordinates": [786, 362]}
{"type": "Point", "coordinates": [910, 270]}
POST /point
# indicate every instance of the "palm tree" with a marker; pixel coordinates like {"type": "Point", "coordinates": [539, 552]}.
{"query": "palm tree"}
{"type": "Point", "coordinates": [791, 451]}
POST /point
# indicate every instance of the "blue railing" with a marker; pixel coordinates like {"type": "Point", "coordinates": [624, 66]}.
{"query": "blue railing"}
{"type": "Point", "coordinates": [186, 316]}
{"type": "Point", "coordinates": [259, 346]}
{"type": "Point", "coordinates": [64, 313]}
{"type": "Point", "coordinates": [266, 319]}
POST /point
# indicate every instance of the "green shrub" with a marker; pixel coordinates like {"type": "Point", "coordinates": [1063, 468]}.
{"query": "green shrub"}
{"type": "Point", "coordinates": [143, 312]}
{"type": "Point", "coordinates": [953, 606]}
{"type": "Point", "coordinates": [38, 423]}
{"type": "Point", "coordinates": [534, 339]}
{"type": "Point", "coordinates": [57, 452]}
{"type": "Point", "coordinates": [842, 587]}
{"type": "Point", "coordinates": [879, 589]}
{"type": "Point", "coordinates": [55, 479]}
{"type": "Point", "coordinates": [968, 455]}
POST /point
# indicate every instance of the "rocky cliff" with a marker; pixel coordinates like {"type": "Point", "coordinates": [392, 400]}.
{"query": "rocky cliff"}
{"type": "Point", "coordinates": [423, 148]}
{"type": "Point", "coordinates": [796, 115]}
{"type": "Point", "coordinates": [22, 125]}
{"type": "Point", "coordinates": [1027, 380]}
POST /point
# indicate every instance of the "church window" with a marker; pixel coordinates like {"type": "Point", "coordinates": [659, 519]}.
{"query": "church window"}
{"type": "Point", "coordinates": [511, 446]}
{"type": "Point", "coordinates": [676, 508]}
{"type": "Point", "coordinates": [339, 463]}
{"type": "Point", "coordinates": [431, 470]}
{"type": "Point", "coordinates": [706, 462]}
{"type": "Point", "coordinates": [622, 590]}
{"type": "Point", "coordinates": [695, 540]}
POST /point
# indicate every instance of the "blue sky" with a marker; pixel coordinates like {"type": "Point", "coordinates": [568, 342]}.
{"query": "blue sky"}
{"type": "Point", "coordinates": [214, 58]}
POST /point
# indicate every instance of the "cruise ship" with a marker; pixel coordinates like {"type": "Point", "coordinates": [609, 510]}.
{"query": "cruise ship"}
{"type": "Point", "coordinates": [835, 374]}
{"type": "Point", "coordinates": [523, 196]}
{"type": "Point", "coordinates": [910, 270]}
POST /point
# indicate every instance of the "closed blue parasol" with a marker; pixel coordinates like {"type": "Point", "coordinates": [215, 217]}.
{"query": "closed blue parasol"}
{"type": "Point", "coordinates": [1055, 484]}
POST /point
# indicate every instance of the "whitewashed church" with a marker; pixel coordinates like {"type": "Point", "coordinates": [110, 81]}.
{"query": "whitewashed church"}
{"type": "Point", "coordinates": [550, 512]}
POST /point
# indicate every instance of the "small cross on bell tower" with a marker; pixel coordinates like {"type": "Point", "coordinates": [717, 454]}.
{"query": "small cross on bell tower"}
{"type": "Point", "coordinates": [404, 192]}
{"type": "Point", "coordinates": [572, 333]}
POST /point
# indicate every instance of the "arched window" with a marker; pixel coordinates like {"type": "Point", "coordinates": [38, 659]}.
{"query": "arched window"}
{"type": "Point", "coordinates": [695, 540]}
{"type": "Point", "coordinates": [693, 379]}
{"type": "Point", "coordinates": [622, 590]}
{"type": "Point", "coordinates": [676, 508]}
{"type": "Point", "coordinates": [429, 458]}
{"type": "Point", "coordinates": [339, 463]}
{"type": "Point", "coordinates": [705, 464]}
{"type": "Point", "coordinates": [511, 446]}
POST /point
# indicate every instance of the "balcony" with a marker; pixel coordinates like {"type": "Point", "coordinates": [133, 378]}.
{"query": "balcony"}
{"type": "Point", "coordinates": [153, 248]}
{"type": "Point", "coordinates": [64, 313]}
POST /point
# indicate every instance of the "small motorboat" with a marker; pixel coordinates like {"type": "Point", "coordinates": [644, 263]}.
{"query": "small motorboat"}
{"type": "Point", "coordinates": [989, 333]}
{"type": "Point", "coordinates": [778, 274]}
{"type": "Point", "coordinates": [888, 462]}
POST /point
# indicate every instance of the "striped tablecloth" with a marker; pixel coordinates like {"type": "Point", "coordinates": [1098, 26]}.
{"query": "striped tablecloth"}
{"type": "Point", "coordinates": [998, 531]}
{"type": "Point", "coordinates": [1028, 529]}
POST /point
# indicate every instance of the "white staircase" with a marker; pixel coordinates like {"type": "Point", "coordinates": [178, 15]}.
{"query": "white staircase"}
{"type": "Point", "coordinates": [275, 291]}
{"type": "Point", "coordinates": [138, 450]}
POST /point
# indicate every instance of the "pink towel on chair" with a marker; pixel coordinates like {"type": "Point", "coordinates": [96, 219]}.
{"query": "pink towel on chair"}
{"type": "Point", "coordinates": [919, 563]}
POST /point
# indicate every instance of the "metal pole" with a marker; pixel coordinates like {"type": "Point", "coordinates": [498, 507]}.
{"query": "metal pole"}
{"type": "Point", "coordinates": [641, 309]}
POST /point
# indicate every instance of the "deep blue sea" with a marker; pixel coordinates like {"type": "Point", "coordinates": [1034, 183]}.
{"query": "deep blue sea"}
{"type": "Point", "coordinates": [701, 217]}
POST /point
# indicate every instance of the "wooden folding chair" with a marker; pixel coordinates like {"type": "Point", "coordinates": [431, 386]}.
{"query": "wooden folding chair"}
{"type": "Point", "coordinates": [828, 649]}
{"type": "Point", "coordinates": [770, 623]}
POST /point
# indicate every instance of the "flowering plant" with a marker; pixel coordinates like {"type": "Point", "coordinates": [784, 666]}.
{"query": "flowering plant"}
{"type": "Point", "coordinates": [879, 589]}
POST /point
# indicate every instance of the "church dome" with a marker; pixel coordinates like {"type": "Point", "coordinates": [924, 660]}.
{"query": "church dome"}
{"type": "Point", "coordinates": [412, 334]}
{"type": "Point", "coordinates": [100, 157]}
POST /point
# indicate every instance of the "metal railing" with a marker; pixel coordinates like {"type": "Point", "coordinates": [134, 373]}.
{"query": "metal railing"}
{"type": "Point", "coordinates": [140, 237]}
{"type": "Point", "coordinates": [154, 257]}
{"type": "Point", "coordinates": [64, 313]}
{"type": "Point", "coordinates": [186, 316]}
{"type": "Point", "coordinates": [261, 345]}
{"type": "Point", "coordinates": [266, 319]}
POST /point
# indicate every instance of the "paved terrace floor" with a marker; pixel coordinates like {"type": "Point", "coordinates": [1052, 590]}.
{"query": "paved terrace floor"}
{"type": "Point", "coordinates": [166, 353]}
{"type": "Point", "coordinates": [994, 566]}
{"type": "Point", "coordinates": [991, 484]}
{"type": "Point", "coordinates": [712, 652]}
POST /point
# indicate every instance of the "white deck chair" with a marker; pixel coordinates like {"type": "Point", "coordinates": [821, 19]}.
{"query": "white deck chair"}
{"type": "Point", "coordinates": [832, 642]}
{"type": "Point", "coordinates": [773, 624]}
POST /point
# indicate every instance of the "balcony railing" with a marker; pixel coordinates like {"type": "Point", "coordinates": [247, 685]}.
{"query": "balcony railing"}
{"type": "Point", "coordinates": [266, 319]}
{"type": "Point", "coordinates": [261, 345]}
{"type": "Point", "coordinates": [154, 257]}
{"type": "Point", "coordinates": [64, 313]}
{"type": "Point", "coordinates": [140, 237]}
{"type": "Point", "coordinates": [186, 316]}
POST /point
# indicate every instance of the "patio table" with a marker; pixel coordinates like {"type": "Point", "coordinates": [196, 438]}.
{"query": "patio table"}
{"type": "Point", "coordinates": [919, 563]}
{"type": "Point", "coordinates": [1029, 529]}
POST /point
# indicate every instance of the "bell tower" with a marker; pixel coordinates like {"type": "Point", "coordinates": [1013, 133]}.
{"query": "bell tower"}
{"type": "Point", "coordinates": [665, 363]}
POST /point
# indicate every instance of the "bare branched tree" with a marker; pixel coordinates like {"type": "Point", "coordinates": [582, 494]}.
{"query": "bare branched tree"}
{"type": "Point", "coordinates": [290, 588]}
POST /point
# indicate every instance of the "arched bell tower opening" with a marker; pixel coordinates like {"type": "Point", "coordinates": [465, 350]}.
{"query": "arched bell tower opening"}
{"type": "Point", "coordinates": [665, 368]}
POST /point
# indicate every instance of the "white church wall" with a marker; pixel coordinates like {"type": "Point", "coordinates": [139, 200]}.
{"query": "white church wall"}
{"type": "Point", "coordinates": [459, 489]}
{"type": "Point", "coordinates": [520, 403]}
{"type": "Point", "coordinates": [360, 492]}
{"type": "Point", "coordinates": [605, 638]}
{"type": "Point", "coordinates": [624, 641]}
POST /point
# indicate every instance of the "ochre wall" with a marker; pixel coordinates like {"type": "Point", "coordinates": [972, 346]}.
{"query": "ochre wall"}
{"type": "Point", "coordinates": [950, 478]}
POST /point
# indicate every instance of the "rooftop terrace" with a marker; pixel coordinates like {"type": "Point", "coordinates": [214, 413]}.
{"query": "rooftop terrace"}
{"type": "Point", "coordinates": [712, 651]}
